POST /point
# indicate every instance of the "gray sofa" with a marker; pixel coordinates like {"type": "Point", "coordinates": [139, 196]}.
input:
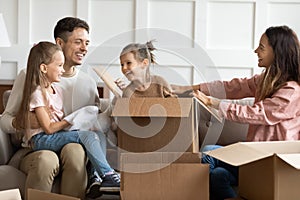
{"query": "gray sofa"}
{"type": "Point", "coordinates": [11, 177]}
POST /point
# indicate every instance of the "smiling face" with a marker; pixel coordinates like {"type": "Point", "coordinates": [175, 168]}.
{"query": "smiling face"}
{"type": "Point", "coordinates": [264, 52]}
{"type": "Point", "coordinates": [131, 67]}
{"type": "Point", "coordinates": [75, 48]}
{"type": "Point", "coordinates": [54, 70]}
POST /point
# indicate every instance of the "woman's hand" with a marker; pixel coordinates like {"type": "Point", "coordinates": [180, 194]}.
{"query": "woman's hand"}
{"type": "Point", "coordinates": [209, 101]}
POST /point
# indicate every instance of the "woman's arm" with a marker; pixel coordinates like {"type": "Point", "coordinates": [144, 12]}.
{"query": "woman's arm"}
{"type": "Point", "coordinates": [45, 122]}
{"type": "Point", "coordinates": [181, 89]}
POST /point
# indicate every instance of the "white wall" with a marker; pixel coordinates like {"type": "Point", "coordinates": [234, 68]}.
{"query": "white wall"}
{"type": "Point", "coordinates": [216, 36]}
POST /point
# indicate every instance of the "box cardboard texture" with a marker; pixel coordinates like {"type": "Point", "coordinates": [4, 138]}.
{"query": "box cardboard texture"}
{"type": "Point", "coordinates": [163, 176]}
{"type": "Point", "coordinates": [268, 170]}
{"type": "Point", "coordinates": [12, 194]}
{"type": "Point", "coordinates": [33, 194]}
{"type": "Point", "coordinates": [156, 124]}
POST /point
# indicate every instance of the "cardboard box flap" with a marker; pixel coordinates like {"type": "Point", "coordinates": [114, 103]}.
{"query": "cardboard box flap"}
{"type": "Point", "coordinates": [12, 194]}
{"type": "Point", "coordinates": [152, 107]}
{"type": "Point", "coordinates": [291, 159]}
{"type": "Point", "coordinates": [245, 152]}
{"type": "Point", "coordinates": [277, 147]}
{"type": "Point", "coordinates": [238, 154]}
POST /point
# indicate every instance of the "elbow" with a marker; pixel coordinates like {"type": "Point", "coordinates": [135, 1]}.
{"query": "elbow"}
{"type": "Point", "coordinates": [48, 131]}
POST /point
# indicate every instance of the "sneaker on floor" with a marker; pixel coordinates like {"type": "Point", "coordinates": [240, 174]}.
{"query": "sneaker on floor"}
{"type": "Point", "coordinates": [110, 183]}
{"type": "Point", "coordinates": [93, 188]}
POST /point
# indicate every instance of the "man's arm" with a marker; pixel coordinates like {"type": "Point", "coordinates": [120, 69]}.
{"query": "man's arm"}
{"type": "Point", "coordinates": [13, 104]}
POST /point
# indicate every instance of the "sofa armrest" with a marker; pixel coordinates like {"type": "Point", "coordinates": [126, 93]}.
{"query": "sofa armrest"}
{"type": "Point", "coordinates": [6, 148]}
{"type": "Point", "coordinates": [18, 156]}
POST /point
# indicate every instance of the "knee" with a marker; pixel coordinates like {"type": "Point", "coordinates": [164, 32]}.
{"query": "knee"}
{"type": "Point", "coordinates": [44, 163]}
{"type": "Point", "coordinates": [219, 175]}
{"type": "Point", "coordinates": [73, 156]}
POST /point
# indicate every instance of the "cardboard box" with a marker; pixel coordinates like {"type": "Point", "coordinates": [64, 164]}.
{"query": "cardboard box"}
{"type": "Point", "coordinates": [163, 176]}
{"type": "Point", "coordinates": [12, 194]}
{"type": "Point", "coordinates": [268, 170]}
{"type": "Point", "coordinates": [33, 194]}
{"type": "Point", "coordinates": [157, 124]}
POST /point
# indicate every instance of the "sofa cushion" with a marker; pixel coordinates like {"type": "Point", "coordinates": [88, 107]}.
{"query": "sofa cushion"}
{"type": "Point", "coordinates": [6, 149]}
{"type": "Point", "coordinates": [5, 97]}
{"type": "Point", "coordinates": [12, 178]}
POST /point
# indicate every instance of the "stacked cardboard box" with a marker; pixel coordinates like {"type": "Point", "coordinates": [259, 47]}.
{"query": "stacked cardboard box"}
{"type": "Point", "coordinates": [159, 149]}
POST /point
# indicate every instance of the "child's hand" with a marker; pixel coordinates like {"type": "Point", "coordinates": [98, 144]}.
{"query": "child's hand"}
{"type": "Point", "coordinates": [179, 89]}
{"type": "Point", "coordinates": [213, 102]}
{"type": "Point", "coordinates": [120, 83]}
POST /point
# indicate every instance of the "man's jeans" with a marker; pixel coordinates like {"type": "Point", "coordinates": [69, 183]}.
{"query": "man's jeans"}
{"type": "Point", "coordinates": [88, 139]}
{"type": "Point", "coordinates": [222, 176]}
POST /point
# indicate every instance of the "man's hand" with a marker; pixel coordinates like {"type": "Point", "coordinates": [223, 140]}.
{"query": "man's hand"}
{"type": "Point", "coordinates": [34, 123]}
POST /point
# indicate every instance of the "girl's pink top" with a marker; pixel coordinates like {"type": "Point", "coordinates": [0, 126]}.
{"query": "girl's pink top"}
{"type": "Point", "coordinates": [274, 118]}
{"type": "Point", "coordinates": [53, 102]}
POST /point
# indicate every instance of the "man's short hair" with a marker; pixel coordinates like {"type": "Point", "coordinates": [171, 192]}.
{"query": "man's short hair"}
{"type": "Point", "coordinates": [67, 25]}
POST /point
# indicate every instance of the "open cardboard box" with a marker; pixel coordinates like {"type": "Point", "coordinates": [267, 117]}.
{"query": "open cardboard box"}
{"type": "Point", "coordinates": [157, 124]}
{"type": "Point", "coordinates": [163, 176]}
{"type": "Point", "coordinates": [11, 194]}
{"type": "Point", "coordinates": [268, 170]}
{"type": "Point", "coordinates": [33, 194]}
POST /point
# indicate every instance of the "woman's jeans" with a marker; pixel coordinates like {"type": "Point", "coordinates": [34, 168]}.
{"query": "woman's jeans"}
{"type": "Point", "coordinates": [88, 139]}
{"type": "Point", "coordinates": [222, 176]}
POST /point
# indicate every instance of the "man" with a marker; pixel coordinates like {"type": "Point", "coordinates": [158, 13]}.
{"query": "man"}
{"type": "Point", "coordinates": [41, 167]}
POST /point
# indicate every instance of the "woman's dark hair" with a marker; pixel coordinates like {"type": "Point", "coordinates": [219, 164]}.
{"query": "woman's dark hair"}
{"type": "Point", "coordinates": [286, 65]}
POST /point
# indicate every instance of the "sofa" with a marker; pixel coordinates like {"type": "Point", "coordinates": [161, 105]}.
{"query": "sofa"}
{"type": "Point", "coordinates": [10, 157]}
{"type": "Point", "coordinates": [11, 177]}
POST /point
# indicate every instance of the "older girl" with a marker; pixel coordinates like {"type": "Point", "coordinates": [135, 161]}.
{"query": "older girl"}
{"type": "Point", "coordinates": [44, 99]}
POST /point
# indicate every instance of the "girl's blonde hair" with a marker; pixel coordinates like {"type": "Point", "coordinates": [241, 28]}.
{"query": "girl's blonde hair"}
{"type": "Point", "coordinates": [41, 53]}
{"type": "Point", "coordinates": [141, 51]}
{"type": "Point", "coordinates": [286, 65]}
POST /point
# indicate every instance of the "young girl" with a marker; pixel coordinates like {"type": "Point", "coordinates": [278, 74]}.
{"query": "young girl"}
{"type": "Point", "coordinates": [275, 114]}
{"type": "Point", "coordinates": [135, 61]}
{"type": "Point", "coordinates": [44, 99]}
